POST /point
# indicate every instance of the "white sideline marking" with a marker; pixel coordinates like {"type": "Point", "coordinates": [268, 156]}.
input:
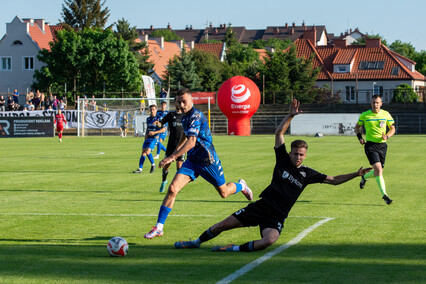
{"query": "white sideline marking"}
{"type": "Point", "coordinates": [246, 268]}
{"type": "Point", "coordinates": [126, 215]}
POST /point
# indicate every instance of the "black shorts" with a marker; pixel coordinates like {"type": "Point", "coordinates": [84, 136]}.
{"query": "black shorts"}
{"type": "Point", "coordinates": [171, 147]}
{"type": "Point", "coordinates": [376, 152]}
{"type": "Point", "coordinates": [123, 127]}
{"type": "Point", "coordinates": [260, 214]}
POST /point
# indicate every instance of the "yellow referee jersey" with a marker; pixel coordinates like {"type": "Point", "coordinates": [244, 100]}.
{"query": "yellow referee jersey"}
{"type": "Point", "coordinates": [375, 124]}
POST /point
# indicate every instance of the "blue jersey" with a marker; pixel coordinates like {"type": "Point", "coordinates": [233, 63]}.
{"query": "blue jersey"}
{"type": "Point", "coordinates": [161, 114]}
{"type": "Point", "coordinates": [195, 125]}
{"type": "Point", "coordinates": [150, 126]}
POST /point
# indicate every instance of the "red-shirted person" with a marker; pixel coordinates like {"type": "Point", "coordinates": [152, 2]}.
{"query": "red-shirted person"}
{"type": "Point", "coordinates": [59, 121]}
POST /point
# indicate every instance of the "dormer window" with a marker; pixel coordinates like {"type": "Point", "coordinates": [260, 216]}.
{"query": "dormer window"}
{"type": "Point", "coordinates": [17, 42]}
{"type": "Point", "coordinates": [371, 65]}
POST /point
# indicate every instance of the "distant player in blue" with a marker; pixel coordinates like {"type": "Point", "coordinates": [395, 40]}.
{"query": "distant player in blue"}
{"type": "Point", "coordinates": [202, 160]}
{"type": "Point", "coordinates": [151, 138]}
{"type": "Point", "coordinates": [161, 114]}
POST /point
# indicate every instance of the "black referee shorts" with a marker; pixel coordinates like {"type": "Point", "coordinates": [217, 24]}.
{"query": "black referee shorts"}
{"type": "Point", "coordinates": [260, 214]}
{"type": "Point", "coordinates": [171, 148]}
{"type": "Point", "coordinates": [376, 152]}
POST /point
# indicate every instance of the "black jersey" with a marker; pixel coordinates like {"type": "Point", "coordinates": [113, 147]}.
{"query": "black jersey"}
{"type": "Point", "coordinates": [288, 182]}
{"type": "Point", "coordinates": [174, 121]}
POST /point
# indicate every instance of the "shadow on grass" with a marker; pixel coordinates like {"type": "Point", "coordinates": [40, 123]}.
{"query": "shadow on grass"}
{"type": "Point", "coordinates": [356, 263]}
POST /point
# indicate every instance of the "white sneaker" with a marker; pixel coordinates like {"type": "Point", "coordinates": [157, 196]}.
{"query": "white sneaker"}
{"type": "Point", "coordinates": [246, 190]}
{"type": "Point", "coordinates": [60, 140]}
{"type": "Point", "coordinates": [157, 157]}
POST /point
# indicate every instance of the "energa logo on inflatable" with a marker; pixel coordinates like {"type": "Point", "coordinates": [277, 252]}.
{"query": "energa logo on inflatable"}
{"type": "Point", "coordinates": [240, 93]}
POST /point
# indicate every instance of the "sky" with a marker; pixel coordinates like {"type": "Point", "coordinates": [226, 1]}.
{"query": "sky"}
{"type": "Point", "coordinates": [392, 19]}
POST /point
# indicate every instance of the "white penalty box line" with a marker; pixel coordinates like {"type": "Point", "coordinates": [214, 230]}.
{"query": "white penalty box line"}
{"type": "Point", "coordinates": [125, 215]}
{"type": "Point", "coordinates": [248, 267]}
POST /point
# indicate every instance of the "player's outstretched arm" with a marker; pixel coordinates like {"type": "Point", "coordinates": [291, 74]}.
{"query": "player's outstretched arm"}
{"type": "Point", "coordinates": [346, 177]}
{"type": "Point", "coordinates": [285, 123]}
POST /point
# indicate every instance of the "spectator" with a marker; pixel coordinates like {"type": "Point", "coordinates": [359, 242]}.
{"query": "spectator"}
{"type": "Point", "coordinates": [55, 103]}
{"type": "Point", "coordinates": [25, 109]}
{"type": "Point", "coordinates": [2, 103]}
{"type": "Point", "coordinates": [42, 102]}
{"type": "Point", "coordinates": [10, 103]}
{"type": "Point", "coordinates": [29, 96]}
{"type": "Point", "coordinates": [16, 97]}
{"type": "Point", "coordinates": [93, 103]}
{"type": "Point", "coordinates": [37, 100]}
{"type": "Point", "coordinates": [62, 105]}
{"type": "Point", "coordinates": [163, 93]}
{"type": "Point", "coordinates": [30, 106]}
{"type": "Point", "coordinates": [48, 101]}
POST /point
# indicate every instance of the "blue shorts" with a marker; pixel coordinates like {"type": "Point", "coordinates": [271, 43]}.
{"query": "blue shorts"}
{"type": "Point", "coordinates": [212, 173]}
{"type": "Point", "coordinates": [163, 136]}
{"type": "Point", "coordinates": [150, 143]}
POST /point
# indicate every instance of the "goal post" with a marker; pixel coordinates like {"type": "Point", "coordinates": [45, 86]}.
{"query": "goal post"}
{"type": "Point", "coordinates": [104, 116]}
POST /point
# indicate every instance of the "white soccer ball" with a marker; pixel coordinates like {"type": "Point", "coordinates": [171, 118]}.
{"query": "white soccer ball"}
{"type": "Point", "coordinates": [117, 246]}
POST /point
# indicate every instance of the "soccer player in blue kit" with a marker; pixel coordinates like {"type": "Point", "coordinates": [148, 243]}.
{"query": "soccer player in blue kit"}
{"type": "Point", "coordinates": [161, 114]}
{"type": "Point", "coordinates": [151, 137]}
{"type": "Point", "coordinates": [202, 160]}
{"type": "Point", "coordinates": [289, 180]}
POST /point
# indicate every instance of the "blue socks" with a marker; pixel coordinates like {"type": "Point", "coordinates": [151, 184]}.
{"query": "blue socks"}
{"type": "Point", "coordinates": [162, 215]}
{"type": "Point", "coordinates": [160, 147]}
{"type": "Point", "coordinates": [151, 158]}
{"type": "Point", "coordinates": [141, 161]}
{"type": "Point", "coordinates": [239, 187]}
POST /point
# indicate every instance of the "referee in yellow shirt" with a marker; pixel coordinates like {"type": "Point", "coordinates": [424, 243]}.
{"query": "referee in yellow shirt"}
{"type": "Point", "coordinates": [375, 122]}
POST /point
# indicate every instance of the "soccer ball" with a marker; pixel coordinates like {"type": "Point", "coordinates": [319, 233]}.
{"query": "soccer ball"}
{"type": "Point", "coordinates": [117, 246]}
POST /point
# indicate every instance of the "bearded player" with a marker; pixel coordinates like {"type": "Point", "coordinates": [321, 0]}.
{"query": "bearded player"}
{"type": "Point", "coordinates": [59, 122]}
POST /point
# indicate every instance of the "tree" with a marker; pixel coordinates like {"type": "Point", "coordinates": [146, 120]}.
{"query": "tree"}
{"type": "Point", "coordinates": [404, 94]}
{"type": "Point", "coordinates": [167, 34]}
{"type": "Point", "coordinates": [93, 59]}
{"type": "Point", "coordinates": [362, 40]}
{"type": "Point", "coordinates": [209, 69]}
{"type": "Point", "coordinates": [403, 48]}
{"type": "Point", "coordinates": [274, 43]}
{"type": "Point", "coordinates": [139, 49]}
{"type": "Point", "coordinates": [420, 59]}
{"type": "Point", "coordinates": [241, 60]}
{"type": "Point", "coordinates": [182, 72]}
{"type": "Point", "coordinates": [81, 14]}
{"type": "Point", "coordinates": [230, 37]}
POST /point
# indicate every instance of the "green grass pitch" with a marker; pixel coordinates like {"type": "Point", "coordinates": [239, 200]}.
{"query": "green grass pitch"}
{"type": "Point", "coordinates": [60, 203]}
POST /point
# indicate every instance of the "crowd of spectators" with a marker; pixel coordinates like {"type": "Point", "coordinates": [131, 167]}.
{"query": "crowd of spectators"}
{"type": "Point", "coordinates": [33, 101]}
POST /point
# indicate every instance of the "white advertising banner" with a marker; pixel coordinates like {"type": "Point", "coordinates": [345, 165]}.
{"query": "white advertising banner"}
{"type": "Point", "coordinates": [325, 123]}
{"type": "Point", "coordinates": [149, 89]}
{"type": "Point", "coordinates": [93, 119]}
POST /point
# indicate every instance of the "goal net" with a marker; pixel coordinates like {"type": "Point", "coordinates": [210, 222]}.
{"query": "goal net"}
{"type": "Point", "coordinates": [105, 116]}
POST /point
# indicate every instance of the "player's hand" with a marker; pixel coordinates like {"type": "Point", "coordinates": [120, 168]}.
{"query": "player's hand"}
{"type": "Point", "coordinates": [362, 141]}
{"type": "Point", "coordinates": [151, 133]}
{"type": "Point", "coordinates": [166, 161]}
{"type": "Point", "coordinates": [294, 107]}
{"type": "Point", "coordinates": [362, 171]}
{"type": "Point", "coordinates": [384, 136]}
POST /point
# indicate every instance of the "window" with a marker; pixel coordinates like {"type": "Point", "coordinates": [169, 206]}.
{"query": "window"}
{"type": "Point", "coordinates": [363, 65]}
{"type": "Point", "coordinates": [380, 65]}
{"type": "Point", "coordinates": [341, 69]}
{"type": "Point", "coordinates": [17, 42]}
{"type": "Point", "coordinates": [378, 90]}
{"type": "Point", "coordinates": [395, 71]}
{"type": "Point", "coordinates": [6, 63]}
{"type": "Point", "coordinates": [28, 63]}
{"type": "Point", "coordinates": [350, 93]}
{"type": "Point", "coordinates": [371, 64]}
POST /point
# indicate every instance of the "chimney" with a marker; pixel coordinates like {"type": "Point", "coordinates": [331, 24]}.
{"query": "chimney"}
{"type": "Point", "coordinates": [151, 27]}
{"type": "Point", "coordinates": [40, 23]}
{"type": "Point", "coordinates": [340, 43]}
{"type": "Point", "coordinates": [224, 26]}
{"type": "Point", "coordinates": [286, 25]}
{"type": "Point", "coordinates": [372, 42]}
{"type": "Point", "coordinates": [294, 24]}
{"type": "Point", "coordinates": [211, 25]}
{"type": "Point", "coordinates": [276, 31]}
{"type": "Point", "coordinates": [168, 26]}
{"type": "Point", "coordinates": [146, 39]}
{"type": "Point", "coordinates": [190, 27]}
{"type": "Point", "coordinates": [192, 44]}
{"type": "Point", "coordinates": [311, 35]}
{"type": "Point", "coordinates": [303, 23]}
{"type": "Point", "coordinates": [162, 42]}
{"type": "Point", "coordinates": [292, 31]}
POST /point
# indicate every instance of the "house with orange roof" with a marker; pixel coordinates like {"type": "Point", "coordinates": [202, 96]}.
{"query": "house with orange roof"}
{"type": "Point", "coordinates": [19, 47]}
{"type": "Point", "coordinates": [356, 72]}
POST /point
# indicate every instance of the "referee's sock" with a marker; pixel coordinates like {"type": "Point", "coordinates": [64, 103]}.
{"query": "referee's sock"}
{"type": "Point", "coordinates": [370, 174]}
{"type": "Point", "coordinates": [247, 247]}
{"type": "Point", "coordinates": [381, 183]}
{"type": "Point", "coordinates": [165, 173]}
